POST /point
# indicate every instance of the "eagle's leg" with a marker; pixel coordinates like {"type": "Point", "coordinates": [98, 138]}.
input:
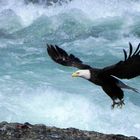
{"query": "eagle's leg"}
{"type": "Point", "coordinates": [118, 103]}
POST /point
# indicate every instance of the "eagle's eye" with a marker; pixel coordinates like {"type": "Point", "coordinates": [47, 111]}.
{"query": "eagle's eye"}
{"type": "Point", "coordinates": [78, 72]}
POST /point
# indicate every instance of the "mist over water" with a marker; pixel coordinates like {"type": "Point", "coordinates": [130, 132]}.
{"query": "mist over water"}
{"type": "Point", "coordinates": [35, 89]}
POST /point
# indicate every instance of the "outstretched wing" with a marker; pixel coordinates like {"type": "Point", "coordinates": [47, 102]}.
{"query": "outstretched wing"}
{"type": "Point", "coordinates": [60, 56]}
{"type": "Point", "coordinates": [128, 68]}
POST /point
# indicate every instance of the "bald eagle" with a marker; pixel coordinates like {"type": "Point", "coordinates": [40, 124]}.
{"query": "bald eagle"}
{"type": "Point", "coordinates": [107, 77]}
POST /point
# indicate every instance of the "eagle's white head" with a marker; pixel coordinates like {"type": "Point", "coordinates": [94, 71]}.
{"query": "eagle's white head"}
{"type": "Point", "coordinates": [82, 73]}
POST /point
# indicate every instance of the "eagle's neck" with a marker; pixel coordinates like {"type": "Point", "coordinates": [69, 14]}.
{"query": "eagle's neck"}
{"type": "Point", "coordinates": [86, 74]}
{"type": "Point", "coordinates": [95, 78]}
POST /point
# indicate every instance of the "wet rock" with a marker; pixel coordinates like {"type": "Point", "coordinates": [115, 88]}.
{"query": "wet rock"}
{"type": "Point", "coordinates": [27, 131]}
{"type": "Point", "coordinates": [46, 2]}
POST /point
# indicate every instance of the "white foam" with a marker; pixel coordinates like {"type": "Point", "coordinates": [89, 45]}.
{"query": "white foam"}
{"type": "Point", "coordinates": [94, 9]}
{"type": "Point", "coordinates": [26, 94]}
{"type": "Point", "coordinates": [63, 109]}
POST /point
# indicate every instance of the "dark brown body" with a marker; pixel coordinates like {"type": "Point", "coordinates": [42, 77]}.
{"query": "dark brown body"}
{"type": "Point", "coordinates": [108, 83]}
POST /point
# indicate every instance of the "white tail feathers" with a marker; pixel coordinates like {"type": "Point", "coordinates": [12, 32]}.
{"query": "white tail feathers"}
{"type": "Point", "coordinates": [133, 89]}
{"type": "Point", "coordinates": [122, 85]}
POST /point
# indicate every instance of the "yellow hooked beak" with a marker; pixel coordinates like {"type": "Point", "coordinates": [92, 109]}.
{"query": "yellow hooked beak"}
{"type": "Point", "coordinates": [74, 74]}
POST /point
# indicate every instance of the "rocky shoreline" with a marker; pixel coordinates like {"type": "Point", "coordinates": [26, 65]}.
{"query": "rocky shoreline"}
{"type": "Point", "coordinates": [47, 2]}
{"type": "Point", "coordinates": [26, 131]}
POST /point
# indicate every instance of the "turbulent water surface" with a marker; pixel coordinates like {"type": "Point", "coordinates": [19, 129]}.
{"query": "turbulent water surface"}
{"type": "Point", "coordinates": [35, 89]}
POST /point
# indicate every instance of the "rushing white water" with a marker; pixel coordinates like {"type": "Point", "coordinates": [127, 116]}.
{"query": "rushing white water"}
{"type": "Point", "coordinates": [35, 89]}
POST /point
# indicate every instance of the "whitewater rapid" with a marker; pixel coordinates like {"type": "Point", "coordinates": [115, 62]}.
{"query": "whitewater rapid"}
{"type": "Point", "coordinates": [35, 89]}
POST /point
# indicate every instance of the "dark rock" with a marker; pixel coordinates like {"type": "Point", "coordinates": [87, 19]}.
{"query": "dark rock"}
{"type": "Point", "coordinates": [26, 131]}
{"type": "Point", "coordinates": [46, 2]}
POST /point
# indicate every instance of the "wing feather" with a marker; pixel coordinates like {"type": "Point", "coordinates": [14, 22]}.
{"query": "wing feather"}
{"type": "Point", "coordinates": [136, 51]}
{"type": "Point", "coordinates": [60, 56]}
{"type": "Point", "coordinates": [125, 54]}
{"type": "Point", "coordinates": [130, 50]}
{"type": "Point", "coordinates": [128, 68]}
